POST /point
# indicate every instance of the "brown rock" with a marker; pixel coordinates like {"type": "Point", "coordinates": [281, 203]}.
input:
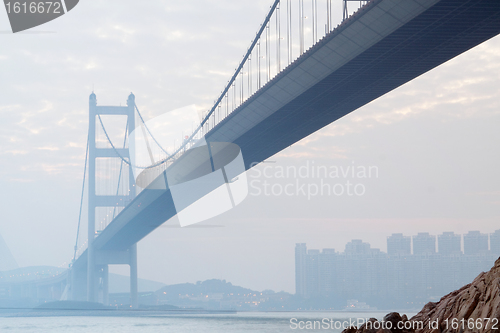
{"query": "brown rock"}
{"type": "Point", "coordinates": [466, 310]}
{"type": "Point", "coordinates": [350, 330]}
{"type": "Point", "coordinates": [368, 327]}
{"type": "Point", "coordinates": [374, 326]}
{"type": "Point", "coordinates": [384, 330]}
{"type": "Point", "coordinates": [394, 318]}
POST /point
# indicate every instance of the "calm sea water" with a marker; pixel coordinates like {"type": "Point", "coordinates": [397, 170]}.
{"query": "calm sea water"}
{"type": "Point", "coordinates": [246, 322]}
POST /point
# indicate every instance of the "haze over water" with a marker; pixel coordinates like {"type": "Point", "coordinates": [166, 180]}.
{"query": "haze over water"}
{"type": "Point", "coordinates": [153, 322]}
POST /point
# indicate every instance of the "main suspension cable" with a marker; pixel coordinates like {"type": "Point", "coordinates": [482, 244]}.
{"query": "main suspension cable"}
{"type": "Point", "coordinates": [147, 128]}
{"type": "Point", "coordinates": [209, 114]}
{"type": "Point", "coordinates": [81, 199]}
{"type": "Point", "coordinates": [123, 158]}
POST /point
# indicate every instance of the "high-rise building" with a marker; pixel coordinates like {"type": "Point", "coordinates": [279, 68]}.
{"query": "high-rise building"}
{"type": "Point", "coordinates": [383, 280]}
{"type": "Point", "coordinates": [300, 269]}
{"type": "Point", "coordinates": [312, 273]}
{"type": "Point", "coordinates": [423, 243]}
{"type": "Point", "coordinates": [356, 246]}
{"type": "Point", "coordinates": [495, 243]}
{"type": "Point", "coordinates": [475, 243]}
{"type": "Point", "coordinates": [398, 244]}
{"type": "Point", "coordinates": [328, 272]}
{"type": "Point", "coordinates": [449, 243]}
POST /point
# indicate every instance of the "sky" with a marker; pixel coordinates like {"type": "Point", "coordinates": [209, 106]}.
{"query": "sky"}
{"type": "Point", "coordinates": [431, 143]}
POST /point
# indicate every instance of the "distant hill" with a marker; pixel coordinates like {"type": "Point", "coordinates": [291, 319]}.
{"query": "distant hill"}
{"type": "Point", "coordinates": [121, 284]}
{"type": "Point", "coordinates": [206, 287]}
{"type": "Point", "coordinates": [24, 274]}
{"type": "Point", "coordinates": [220, 295]}
{"type": "Point", "coordinates": [7, 260]}
{"type": "Point", "coordinates": [117, 283]}
{"type": "Point", "coordinates": [73, 305]}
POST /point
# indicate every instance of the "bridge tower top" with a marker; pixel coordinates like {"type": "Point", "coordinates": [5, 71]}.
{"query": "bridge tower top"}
{"type": "Point", "coordinates": [131, 100]}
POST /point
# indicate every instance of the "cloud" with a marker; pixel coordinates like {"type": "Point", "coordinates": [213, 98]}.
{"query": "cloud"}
{"type": "Point", "coordinates": [48, 148]}
{"type": "Point", "coordinates": [56, 169]}
{"type": "Point", "coordinates": [16, 152]}
{"type": "Point", "coordinates": [21, 180]}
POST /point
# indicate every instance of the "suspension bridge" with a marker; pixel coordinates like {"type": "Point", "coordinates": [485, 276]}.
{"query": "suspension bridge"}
{"type": "Point", "coordinates": [300, 73]}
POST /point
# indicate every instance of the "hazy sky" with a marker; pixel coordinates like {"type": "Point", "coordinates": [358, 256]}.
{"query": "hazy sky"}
{"type": "Point", "coordinates": [433, 141]}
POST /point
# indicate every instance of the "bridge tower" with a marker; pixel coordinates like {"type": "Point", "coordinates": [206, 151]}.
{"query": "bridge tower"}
{"type": "Point", "coordinates": [99, 259]}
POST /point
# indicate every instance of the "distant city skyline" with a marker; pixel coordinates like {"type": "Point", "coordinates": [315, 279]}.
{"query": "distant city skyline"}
{"type": "Point", "coordinates": [406, 276]}
{"type": "Point", "coordinates": [474, 242]}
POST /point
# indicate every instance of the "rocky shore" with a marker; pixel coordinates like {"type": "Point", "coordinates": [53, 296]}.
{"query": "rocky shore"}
{"type": "Point", "coordinates": [473, 308]}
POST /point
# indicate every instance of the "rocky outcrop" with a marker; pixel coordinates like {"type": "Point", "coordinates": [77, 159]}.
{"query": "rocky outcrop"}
{"type": "Point", "coordinates": [392, 323]}
{"type": "Point", "coordinates": [473, 308]}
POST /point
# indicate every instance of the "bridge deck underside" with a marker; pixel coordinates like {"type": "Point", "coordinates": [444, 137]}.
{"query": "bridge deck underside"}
{"type": "Point", "coordinates": [444, 31]}
{"type": "Point", "coordinates": [439, 34]}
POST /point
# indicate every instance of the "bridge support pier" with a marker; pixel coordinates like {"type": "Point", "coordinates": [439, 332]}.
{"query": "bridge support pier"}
{"type": "Point", "coordinates": [91, 275]}
{"type": "Point", "coordinates": [134, 294]}
{"type": "Point", "coordinates": [105, 285]}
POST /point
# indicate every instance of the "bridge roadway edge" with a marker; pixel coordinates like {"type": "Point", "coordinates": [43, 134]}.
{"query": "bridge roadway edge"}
{"type": "Point", "coordinates": [441, 33]}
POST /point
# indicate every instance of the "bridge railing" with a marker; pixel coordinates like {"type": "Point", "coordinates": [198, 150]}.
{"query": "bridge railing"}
{"type": "Point", "coordinates": [290, 28]}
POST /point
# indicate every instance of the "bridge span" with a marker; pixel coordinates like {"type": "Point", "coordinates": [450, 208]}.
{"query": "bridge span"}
{"type": "Point", "coordinates": [385, 44]}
